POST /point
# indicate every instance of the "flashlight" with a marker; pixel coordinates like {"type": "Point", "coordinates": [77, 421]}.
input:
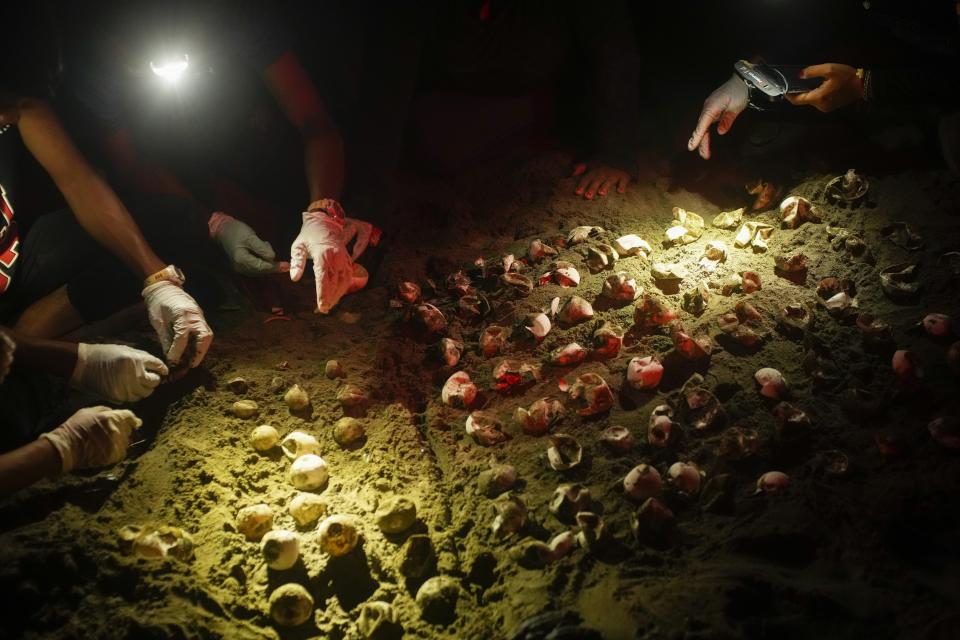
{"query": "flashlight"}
{"type": "Point", "coordinates": [172, 69]}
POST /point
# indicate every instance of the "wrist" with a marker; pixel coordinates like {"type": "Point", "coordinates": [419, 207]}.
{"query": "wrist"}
{"type": "Point", "coordinates": [82, 355]}
{"type": "Point", "coordinates": [216, 222]}
{"type": "Point", "coordinates": [327, 206]}
{"type": "Point", "coordinates": [169, 273]}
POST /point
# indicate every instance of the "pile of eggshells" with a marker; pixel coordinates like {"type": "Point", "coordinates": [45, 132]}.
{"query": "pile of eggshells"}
{"type": "Point", "coordinates": [588, 394]}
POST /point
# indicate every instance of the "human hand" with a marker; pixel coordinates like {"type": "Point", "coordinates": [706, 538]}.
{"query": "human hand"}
{"type": "Point", "coordinates": [247, 253]}
{"type": "Point", "coordinates": [117, 372]}
{"type": "Point", "coordinates": [93, 437]}
{"type": "Point", "coordinates": [722, 106]}
{"type": "Point", "coordinates": [177, 319]}
{"type": "Point", "coordinates": [323, 239]}
{"type": "Point", "coordinates": [598, 180]}
{"type": "Point", "coordinates": [841, 86]}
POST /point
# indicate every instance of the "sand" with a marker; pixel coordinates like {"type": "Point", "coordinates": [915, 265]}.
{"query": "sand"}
{"type": "Point", "coordinates": [869, 553]}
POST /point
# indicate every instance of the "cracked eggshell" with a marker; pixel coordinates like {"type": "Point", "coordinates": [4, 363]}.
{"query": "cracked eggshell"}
{"type": "Point", "coordinates": [306, 508]}
{"type": "Point", "coordinates": [642, 482]}
{"type": "Point", "coordinates": [540, 416]}
{"type": "Point", "coordinates": [309, 472]}
{"type": "Point", "coordinates": [644, 373]}
{"type": "Point", "coordinates": [538, 324]}
{"type": "Point", "coordinates": [280, 549]}
{"type": "Point", "coordinates": [773, 483]}
{"type": "Point", "coordinates": [290, 605]}
{"type": "Point", "coordinates": [564, 452]}
{"type": "Point", "coordinates": [493, 339]}
{"type": "Point", "coordinates": [338, 535]}
{"type": "Point", "coordinates": [254, 521]}
{"type": "Point", "coordinates": [576, 310]}
{"type": "Point", "coordinates": [632, 245]}
{"type": "Point", "coordinates": [772, 383]}
{"type": "Point", "coordinates": [485, 428]}
{"type": "Point", "coordinates": [244, 409]}
{"type": "Point", "coordinates": [298, 443]}
{"type": "Point", "coordinates": [296, 398]}
{"type": "Point", "coordinates": [685, 477]}
{"type": "Point", "coordinates": [264, 438]}
{"type": "Point", "coordinates": [459, 391]}
{"type": "Point", "coordinates": [618, 439]}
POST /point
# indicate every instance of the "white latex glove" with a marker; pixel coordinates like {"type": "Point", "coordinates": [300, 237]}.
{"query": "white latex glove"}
{"type": "Point", "coordinates": [177, 319]}
{"type": "Point", "coordinates": [93, 437]}
{"type": "Point", "coordinates": [116, 372]}
{"type": "Point", "coordinates": [726, 103]}
{"type": "Point", "coordinates": [323, 239]}
{"type": "Point", "coordinates": [7, 347]}
{"type": "Point", "coordinates": [247, 253]}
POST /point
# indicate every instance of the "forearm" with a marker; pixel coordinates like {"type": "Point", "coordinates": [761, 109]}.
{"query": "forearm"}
{"type": "Point", "coordinates": [95, 205]}
{"type": "Point", "coordinates": [49, 356]}
{"type": "Point", "coordinates": [22, 467]}
{"type": "Point", "coordinates": [324, 165]}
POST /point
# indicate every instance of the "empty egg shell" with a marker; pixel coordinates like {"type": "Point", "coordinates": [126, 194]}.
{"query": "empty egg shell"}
{"type": "Point", "coordinates": [298, 443]}
{"type": "Point", "coordinates": [459, 390]}
{"type": "Point", "coordinates": [280, 549]}
{"type": "Point", "coordinates": [541, 415]}
{"type": "Point", "coordinates": [685, 477]}
{"type": "Point", "coordinates": [632, 245]}
{"type": "Point", "coordinates": [564, 452]}
{"type": "Point", "coordinates": [306, 508]}
{"type": "Point", "coordinates": [642, 482]}
{"type": "Point", "coordinates": [576, 310]}
{"type": "Point", "coordinates": [338, 535]}
{"type": "Point", "coordinates": [290, 605]}
{"type": "Point", "coordinates": [645, 372]}
{"type": "Point", "coordinates": [493, 339]}
{"type": "Point", "coordinates": [617, 439]}
{"type": "Point", "coordinates": [773, 483]}
{"type": "Point", "coordinates": [772, 383]}
{"type": "Point", "coordinates": [296, 398]}
{"type": "Point", "coordinates": [485, 428]}
{"type": "Point", "coordinates": [254, 521]}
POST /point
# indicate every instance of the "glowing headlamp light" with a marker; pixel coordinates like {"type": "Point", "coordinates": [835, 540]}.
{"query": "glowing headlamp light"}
{"type": "Point", "coordinates": [170, 70]}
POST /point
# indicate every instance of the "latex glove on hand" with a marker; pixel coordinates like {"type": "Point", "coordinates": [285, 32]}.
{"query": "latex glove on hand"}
{"type": "Point", "coordinates": [116, 372]}
{"type": "Point", "coordinates": [247, 253]}
{"type": "Point", "coordinates": [93, 437]}
{"type": "Point", "coordinates": [841, 86]}
{"type": "Point", "coordinates": [178, 321]}
{"type": "Point", "coordinates": [722, 106]}
{"type": "Point", "coordinates": [323, 239]}
{"type": "Point", "coordinates": [599, 180]}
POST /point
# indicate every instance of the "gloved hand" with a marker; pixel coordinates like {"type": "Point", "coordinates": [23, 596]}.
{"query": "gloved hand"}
{"type": "Point", "coordinates": [177, 319]}
{"type": "Point", "coordinates": [247, 253]}
{"type": "Point", "coordinates": [724, 104]}
{"type": "Point", "coordinates": [117, 372]}
{"type": "Point", "coordinates": [7, 347]}
{"type": "Point", "coordinates": [93, 437]}
{"type": "Point", "coordinates": [323, 239]}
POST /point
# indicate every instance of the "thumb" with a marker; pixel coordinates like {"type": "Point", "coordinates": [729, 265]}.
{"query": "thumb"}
{"type": "Point", "coordinates": [815, 71]}
{"type": "Point", "coordinates": [249, 263]}
{"type": "Point", "coordinates": [126, 420]}
{"type": "Point", "coordinates": [155, 368]}
{"type": "Point", "coordinates": [579, 169]}
{"type": "Point", "coordinates": [298, 259]}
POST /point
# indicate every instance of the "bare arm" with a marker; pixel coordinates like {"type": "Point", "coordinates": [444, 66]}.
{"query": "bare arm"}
{"type": "Point", "coordinates": [323, 146]}
{"type": "Point", "coordinates": [22, 467]}
{"type": "Point", "coordinates": [95, 205]}
{"type": "Point", "coordinates": [50, 356]}
{"type": "Point", "coordinates": [139, 172]}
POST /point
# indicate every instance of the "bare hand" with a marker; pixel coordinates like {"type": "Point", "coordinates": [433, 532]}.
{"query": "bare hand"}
{"type": "Point", "coordinates": [840, 87]}
{"type": "Point", "coordinates": [599, 180]}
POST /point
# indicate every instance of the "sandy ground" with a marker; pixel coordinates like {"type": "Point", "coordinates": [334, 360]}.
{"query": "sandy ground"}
{"type": "Point", "coordinates": [867, 553]}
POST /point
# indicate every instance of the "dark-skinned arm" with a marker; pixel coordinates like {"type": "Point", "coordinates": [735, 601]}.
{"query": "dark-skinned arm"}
{"type": "Point", "coordinates": [303, 106]}
{"type": "Point", "coordinates": [49, 356]}
{"type": "Point", "coordinates": [95, 205]}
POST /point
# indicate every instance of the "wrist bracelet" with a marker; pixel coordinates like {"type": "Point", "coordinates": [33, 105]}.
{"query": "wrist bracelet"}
{"type": "Point", "coordinates": [329, 207]}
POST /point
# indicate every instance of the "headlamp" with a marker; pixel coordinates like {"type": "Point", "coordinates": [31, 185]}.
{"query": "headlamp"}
{"type": "Point", "coordinates": [170, 69]}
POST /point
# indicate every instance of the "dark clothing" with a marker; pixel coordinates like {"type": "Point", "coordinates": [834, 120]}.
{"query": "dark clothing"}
{"type": "Point", "coordinates": [218, 121]}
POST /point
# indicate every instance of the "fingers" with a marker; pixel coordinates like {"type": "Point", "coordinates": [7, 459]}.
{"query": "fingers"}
{"type": "Point", "coordinates": [605, 186]}
{"type": "Point", "coordinates": [298, 259]}
{"type": "Point", "coordinates": [261, 248]}
{"type": "Point", "coordinates": [181, 338]}
{"type": "Point", "coordinates": [583, 184]}
{"type": "Point", "coordinates": [817, 71]}
{"type": "Point", "coordinates": [622, 182]}
{"type": "Point", "coordinates": [203, 338]}
{"type": "Point", "coordinates": [705, 146]}
{"type": "Point", "coordinates": [333, 273]}
{"type": "Point", "coordinates": [707, 117]}
{"type": "Point", "coordinates": [579, 169]}
{"type": "Point", "coordinates": [363, 231]}
{"type": "Point", "coordinates": [251, 264]}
